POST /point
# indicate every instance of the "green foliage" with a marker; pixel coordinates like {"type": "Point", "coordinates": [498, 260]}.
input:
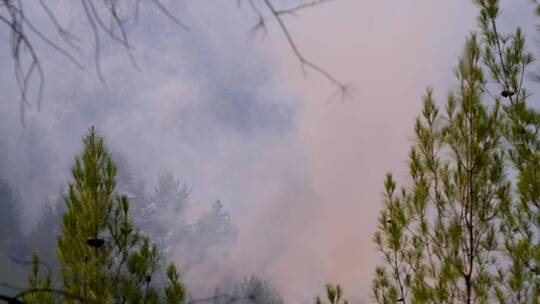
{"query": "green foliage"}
{"type": "Point", "coordinates": [176, 291]}
{"type": "Point", "coordinates": [334, 295]}
{"type": "Point", "coordinates": [438, 236]}
{"type": "Point", "coordinates": [90, 201]}
{"type": "Point", "coordinates": [507, 58]}
{"type": "Point", "coordinates": [39, 288]}
{"type": "Point", "coordinates": [103, 259]}
{"type": "Point", "coordinates": [467, 228]}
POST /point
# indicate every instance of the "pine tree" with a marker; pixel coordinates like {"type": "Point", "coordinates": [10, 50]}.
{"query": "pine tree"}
{"type": "Point", "coordinates": [39, 288]}
{"type": "Point", "coordinates": [212, 229]}
{"type": "Point", "coordinates": [9, 216]}
{"type": "Point", "coordinates": [468, 228]}
{"type": "Point", "coordinates": [438, 236]}
{"type": "Point", "coordinates": [507, 59]}
{"type": "Point", "coordinates": [169, 194]}
{"type": "Point", "coordinates": [164, 215]}
{"type": "Point", "coordinates": [334, 295]}
{"type": "Point", "coordinates": [132, 185]}
{"type": "Point", "coordinates": [103, 259]}
{"type": "Point", "coordinates": [248, 290]}
{"type": "Point", "coordinates": [11, 246]}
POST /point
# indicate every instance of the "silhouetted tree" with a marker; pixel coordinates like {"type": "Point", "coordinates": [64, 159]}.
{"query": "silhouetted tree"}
{"type": "Point", "coordinates": [9, 216]}
{"type": "Point", "coordinates": [214, 227]}
{"type": "Point", "coordinates": [249, 290]}
{"type": "Point", "coordinates": [163, 216]}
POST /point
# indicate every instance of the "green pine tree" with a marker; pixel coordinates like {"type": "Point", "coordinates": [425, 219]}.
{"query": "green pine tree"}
{"type": "Point", "coordinates": [467, 229]}
{"type": "Point", "coordinates": [438, 236]}
{"type": "Point", "coordinates": [334, 295]}
{"type": "Point", "coordinates": [103, 259]}
{"type": "Point", "coordinates": [39, 288]}
{"type": "Point", "coordinates": [507, 60]}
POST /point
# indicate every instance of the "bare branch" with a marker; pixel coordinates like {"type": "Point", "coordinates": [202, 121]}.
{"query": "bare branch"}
{"type": "Point", "coordinates": [116, 19]}
{"type": "Point", "coordinates": [67, 36]}
{"type": "Point", "coordinates": [166, 12]}
{"type": "Point", "coordinates": [304, 62]}
{"type": "Point", "coordinates": [299, 7]}
{"type": "Point", "coordinates": [261, 21]}
{"type": "Point", "coordinates": [19, 41]}
{"type": "Point", "coordinates": [97, 40]}
{"type": "Point", "coordinates": [50, 43]}
{"type": "Point", "coordinates": [107, 29]}
{"type": "Point", "coordinates": [29, 262]}
{"type": "Point", "coordinates": [27, 62]}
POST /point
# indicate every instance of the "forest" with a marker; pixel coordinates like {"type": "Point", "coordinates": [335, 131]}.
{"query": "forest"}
{"type": "Point", "coordinates": [159, 152]}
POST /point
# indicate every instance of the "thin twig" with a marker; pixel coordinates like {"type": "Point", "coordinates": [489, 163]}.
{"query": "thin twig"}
{"type": "Point", "coordinates": [67, 36]}
{"type": "Point", "coordinates": [299, 7]}
{"type": "Point", "coordinates": [304, 62]}
{"type": "Point", "coordinates": [167, 13]}
{"type": "Point", "coordinates": [97, 41]}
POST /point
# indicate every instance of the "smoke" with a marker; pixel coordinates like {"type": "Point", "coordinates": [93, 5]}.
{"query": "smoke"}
{"type": "Point", "coordinates": [234, 118]}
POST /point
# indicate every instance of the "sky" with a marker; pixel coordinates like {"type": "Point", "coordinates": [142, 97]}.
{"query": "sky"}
{"type": "Point", "coordinates": [233, 116]}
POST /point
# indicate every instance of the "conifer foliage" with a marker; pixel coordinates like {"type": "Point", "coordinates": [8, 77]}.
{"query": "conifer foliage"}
{"type": "Point", "coordinates": [438, 236]}
{"type": "Point", "coordinates": [103, 259]}
{"type": "Point", "coordinates": [466, 229]}
{"type": "Point", "coordinates": [507, 59]}
{"type": "Point", "coordinates": [334, 295]}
